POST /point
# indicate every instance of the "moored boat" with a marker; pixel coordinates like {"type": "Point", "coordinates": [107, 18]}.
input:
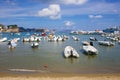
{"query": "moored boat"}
{"type": "Point", "coordinates": [106, 43]}
{"type": "Point", "coordinates": [85, 43]}
{"type": "Point", "coordinates": [93, 39]}
{"type": "Point", "coordinates": [12, 44]}
{"type": "Point", "coordinates": [118, 42]}
{"type": "Point", "coordinates": [70, 52]}
{"type": "Point", "coordinates": [90, 50]}
{"type": "Point", "coordinates": [34, 45]}
{"type": "Point", "coordinates": [3, 39]}
{"type": "Point", "coordinates": [75, 38]}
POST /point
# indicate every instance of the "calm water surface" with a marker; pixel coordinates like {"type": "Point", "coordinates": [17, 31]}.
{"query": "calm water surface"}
{"type": "Point", "coordinates": [48, 57]}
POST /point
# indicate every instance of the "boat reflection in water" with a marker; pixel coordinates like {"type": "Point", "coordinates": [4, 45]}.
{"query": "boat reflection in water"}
{"type": "Point", "coordinates": [72, 60]}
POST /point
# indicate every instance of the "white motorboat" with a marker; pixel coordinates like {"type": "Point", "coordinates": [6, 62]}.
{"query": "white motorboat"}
{"type": "Point", "coordinates": [118, 42]}
{"type": "Point", "coordinates": [34, 45]}
{"type": "Point", "coordinates": [75, 38]}
{"type": "Point", "coordinates": [70, 52]}
{"type": "Point", "coordinates": [93, 39]}
{"type": "Point", "coordinates": [90, 50]}
{"type": "Point", "coordinates": [59, 38]}
{"type": "Point", "coordinates": [74, 32]}
{"type": "Point", "coordinates": [3, 39]}
{"type": "Point", "coordinates": [32, 39]}
{"type": "Point", "coordinates": [25, 40]}
{"type": "Point", "coordinates": [106, 43]}
{"type": "Point", "coordinates": [12, 44]}
{"type": "Point", "coordinates": [85, 43]}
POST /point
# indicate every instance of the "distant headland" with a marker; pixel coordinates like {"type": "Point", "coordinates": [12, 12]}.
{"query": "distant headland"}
{"type": "Point", "coordinates": [14, 28]}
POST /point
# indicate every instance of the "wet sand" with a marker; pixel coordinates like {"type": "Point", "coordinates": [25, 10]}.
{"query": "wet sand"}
{"type": "Point", "coordinates": [60, 76]}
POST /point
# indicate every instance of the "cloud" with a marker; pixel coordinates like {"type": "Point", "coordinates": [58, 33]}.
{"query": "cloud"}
{"type": "Point", "coordinates": [93, 8]}
{"type": "Point", "coordinates": [95, 16]}
{"type": "Point", "coordinates": [69, 23]}
{"type": "Point", "coordinates": [76, 2]}
{"type": "Point", "coordinates": [53, 12]}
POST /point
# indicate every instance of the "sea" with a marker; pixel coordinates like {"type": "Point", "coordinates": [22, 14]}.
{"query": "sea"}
{"type": "Point", "coordinates": [48, 57]}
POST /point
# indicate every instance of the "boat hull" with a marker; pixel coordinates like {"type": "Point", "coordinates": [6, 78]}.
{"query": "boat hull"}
{"type": "Point", "coordinates": [70, 52]}
{"type": "Point", "coordinates": [90, 50]}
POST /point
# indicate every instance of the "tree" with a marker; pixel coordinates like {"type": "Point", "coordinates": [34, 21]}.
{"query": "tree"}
{"type": "Point", "coordinates": [12, 26]}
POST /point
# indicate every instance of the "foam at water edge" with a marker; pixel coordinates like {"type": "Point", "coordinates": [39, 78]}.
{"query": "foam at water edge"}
{"type": "Point", "coordinates": [27, 70]}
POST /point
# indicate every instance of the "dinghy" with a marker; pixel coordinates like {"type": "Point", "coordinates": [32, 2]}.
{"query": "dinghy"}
{"type": "Point", "coordinates": [70, 52]}
{"type": "Point", "coordinates": [90, 50]}
{"type": "Point", "coordinates": [34, 45]}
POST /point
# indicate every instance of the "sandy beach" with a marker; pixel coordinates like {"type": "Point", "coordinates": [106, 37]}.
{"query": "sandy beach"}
{"type": "Point", "coordinates": [60, 77]}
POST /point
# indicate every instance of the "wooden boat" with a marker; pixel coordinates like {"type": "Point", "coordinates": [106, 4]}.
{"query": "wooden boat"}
{"type": "Point", "coordinates": [70, 52]}
{"type": "Point", "coordinates": [90, 50]}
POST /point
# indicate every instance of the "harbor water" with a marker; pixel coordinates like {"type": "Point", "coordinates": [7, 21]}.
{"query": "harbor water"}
{"type": "Point", "coordinates": [48, 57]}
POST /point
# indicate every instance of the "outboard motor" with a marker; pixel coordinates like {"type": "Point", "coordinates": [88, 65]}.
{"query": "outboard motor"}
{"type": "Point", "coordinates": [71, 53]}
{"type": "Point", "coordinates": [95, 39]}
{"type": "Point", "coordinates": [91, 43]}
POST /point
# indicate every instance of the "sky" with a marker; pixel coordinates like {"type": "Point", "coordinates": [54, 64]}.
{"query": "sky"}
{"type": "Point", "coordinates": [61, 14]}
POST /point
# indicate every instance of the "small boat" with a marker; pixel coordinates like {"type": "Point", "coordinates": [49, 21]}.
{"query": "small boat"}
{"type": "Point", "coordinates": [106, 43]}
{"type": "Point", "coordinates": [12, 44]}
{"type": "Point", "coordinates": [118, 42]}
{"type": "Point", "coordinates": [65, 37]}
{"type": "Point", "coordinates": [74, 32]}
{"type": "Point", "coordinates": [93, 39]}
{"type": "Point", "coordinates": [59, 38]}
{"type": "Point", "coordinates": [85, 43]}
{"type": "Point", "coordinates": [75, 38]}
{"type": "Point", "coordinates": [114, 39]}
{"type": "Point", "coordinates": [70, 52]}
{"type": "Point", "coordinates": [34, 45]}
{"type": "Point", "coordinates": [25, 40]}
{"type": "Point", "coordinates": [90, 50]}
{"type": "Point", "coordinates": [43, 34]}
{"type": "Point", "coordinates": [3, 39]}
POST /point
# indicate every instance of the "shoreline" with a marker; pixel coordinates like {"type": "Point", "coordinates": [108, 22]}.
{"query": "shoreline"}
{"type": "Point", "coordinates": [59, 76]}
